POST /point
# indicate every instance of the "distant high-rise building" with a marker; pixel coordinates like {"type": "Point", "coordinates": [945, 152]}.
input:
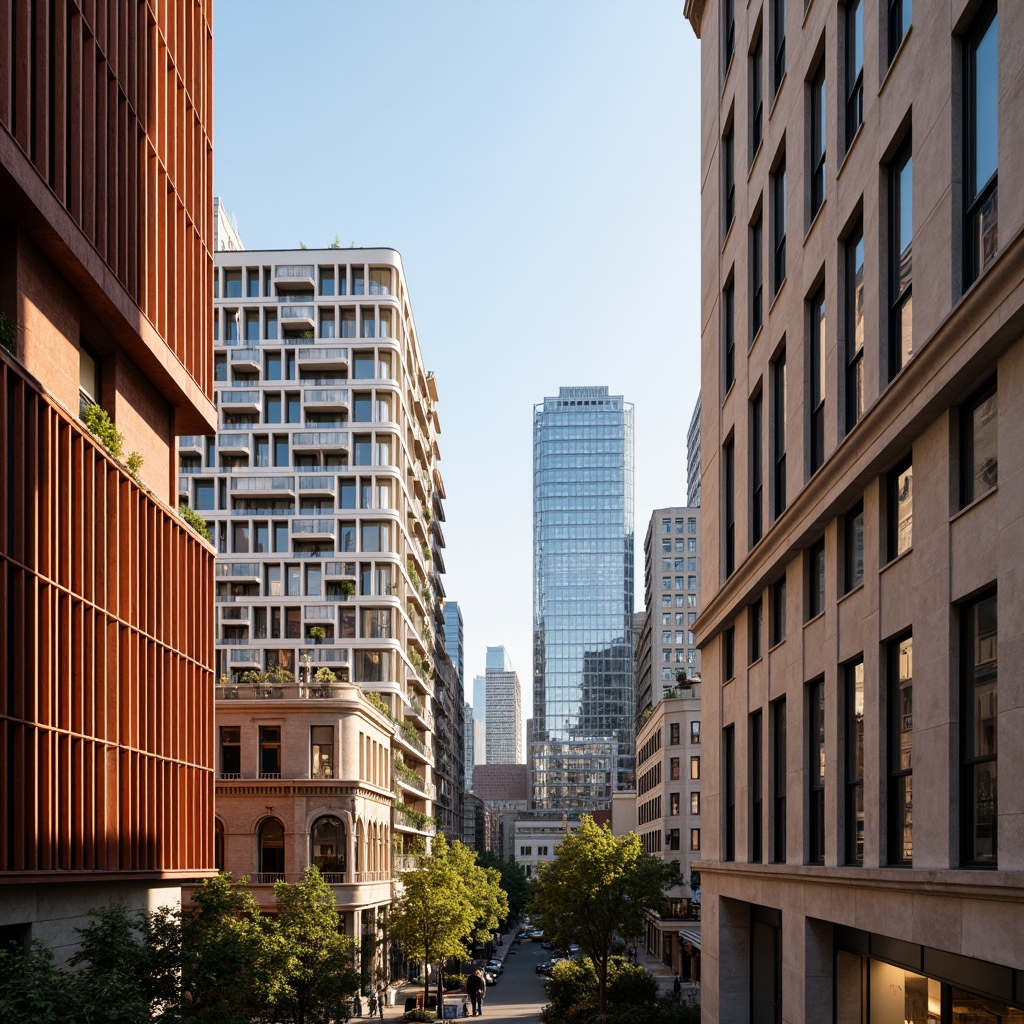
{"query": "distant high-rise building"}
{"type": "Point", "coordinates": [693, 458]}
{"type": "Point", "coordinates": [469, 745]}
{"type": "Point", "coordinates": [504, 709]}
{"type": "Point", "coordinates": [453, 639]}
{"type": "Point", "coordinates": [583, 691]}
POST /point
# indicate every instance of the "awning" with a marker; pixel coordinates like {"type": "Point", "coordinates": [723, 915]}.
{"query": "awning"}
{"type": "Point", "coordinates": [688, 935]}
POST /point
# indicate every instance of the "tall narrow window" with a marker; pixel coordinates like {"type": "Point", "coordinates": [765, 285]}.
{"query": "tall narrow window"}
{"type": "Point", "coordinates": [901, 751]}
{"type": "Point", "coordinates": [756, 276]}
{"type": "Point", "coordinates": [728, 177]}
{"type": "Point", "coordinates": [728, 33]}
{"type": "Point", "coordinates": [853, 547]}
{"type": "Point", "coordinates": [230, 752]}
{"type": "Point", "coordinates": [854, 68]}
{"type": "Point", "coordinates": [979, 707]}
{"type": "Point", "coordinates": [779, 434]}
{"type": "Point", "coordinates": [981, 144]}
{"type": "Point", "coordinates": [778, 213]}
{"type": "Point", "coordinates": [854, 740]}
{"type": "Point", "coordinates": [901, 509]}
{"type": "Point", "coordinates": [854, 317]}
{"type": "Point", "coordinates": [901, 264]}
{"type": "Point", "coordinates": [729, 494]}
{"type": "Point", "coordinates": [816, 772]}
{"type": "Point", "coordinates": [321, 749]}
{"type": "Point", "coordinates": [779, 773]}
{"type": "Point", "coordinates": [271, 847]}
{"type": "Point", "coordinates": [816, 579]}
{"type": "Point", "coordinates": [756, 98]}
{"type": "Point", "coordinates": [729, 333]}
{"type": "Point", "coordinates": [778, 611]}
{"type": "Point", "coordinates": [778, 43]}
{"type": "Point", "coordinates": [979, 455]}
{"type": "Point", "coordinates": [817, 138]}
{"type": "Point", "coordinates": [729, 782]}
{"type": "Point", "coordinates": [755, 623]}
{"type": "Point", "coordinates": [728, 654]}
{"type": "Point", "coordinates": [900, 17]}
{"type": "Point", "coordinates": [816, 368]}
{"type": "Point", "coordinates": [756, 469]}
{"type": "Point", "coordinates": [270, 751]}
{"type": "Point", "coordinates": [756, 788]}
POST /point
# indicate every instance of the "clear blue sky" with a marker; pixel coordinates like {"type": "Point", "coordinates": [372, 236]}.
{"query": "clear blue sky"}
{"type": "Point", "coordinates": [536, 163]}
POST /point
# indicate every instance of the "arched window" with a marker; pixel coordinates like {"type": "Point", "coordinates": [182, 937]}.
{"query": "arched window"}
{"type": "Point", "coordinates": [218, 844]}
{"type": "Point", "coordinates": [329, 847]}
{"type": "Point", "coordinates": [271, 837]}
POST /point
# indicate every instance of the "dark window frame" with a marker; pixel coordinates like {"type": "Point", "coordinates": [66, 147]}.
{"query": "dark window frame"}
{"type": "Point", "coordinates": [729, 501]}
{"type": "Point", "coordinates": [778, 224]}
{"type": "Point", "coordinates": [756, 274]}
{"type": "Point", "coordinates": [728, 176]}
{"type": "Point", "coordinates": [756, 94]}
{"type": "Point", "coordinates": [817, 327]}
{"type": "Point", "coordinates": [901, 250]}
{"type": "Point", "coordinates": [816, 771]}
{"type": "Point", "coordinates": [853, 742]}
{"type": "Point", "coordinates": [729, 333]}
{"type": "Point", "coordinates": [816, 576]}
{"type": "Point", "coordinates": [756, 467]}
{"type": "Point", "coordinates": [779, 434]}
{"type": "Point", "coordinates": [729, 792]}
{"type": "Point", "coordinates": [755, 626]}
{"type": "Point", "coordinates": [728, 654]}
{"type": "Point", "coordinates": [900, 723]}
{"type": "Point", "coordinates": [779, 780]}
{"type": "Point", "coordinates": [817, 144]}
{"type": "Point", "coordinates": [755, 746]}
{"type": "Point", "coordinates": [854, 24]}
{"type": "Point", "coordinates": [778, 611]}
{"type": "Point", "coordinates": [893, 492]}
{"type": "Point", "coordinates": [853, 574]}
{"type": "Point", "coordinates": [728, 34]}
{"type": "Point", "coordinates": [970, 472]}
{"type": "Point", "coordinates": [854, 319]}
{"type": "Point", "coordinates": [900, 15]}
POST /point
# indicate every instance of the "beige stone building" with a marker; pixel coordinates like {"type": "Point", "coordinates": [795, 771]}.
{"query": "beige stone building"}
{"type": "Point", "coordinates": [861, 162]}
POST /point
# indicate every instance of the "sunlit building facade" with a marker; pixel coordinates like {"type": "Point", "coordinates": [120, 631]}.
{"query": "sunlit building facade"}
{"type": "Point", "coordinates": [583, 674]}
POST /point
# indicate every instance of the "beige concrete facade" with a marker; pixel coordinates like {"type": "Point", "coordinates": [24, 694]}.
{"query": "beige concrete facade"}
{"type": "Point", "coordinates": [848, 844]}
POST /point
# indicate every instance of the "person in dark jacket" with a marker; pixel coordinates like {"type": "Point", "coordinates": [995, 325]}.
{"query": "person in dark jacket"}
{"type": "Point", "coordinates": [476, 986]}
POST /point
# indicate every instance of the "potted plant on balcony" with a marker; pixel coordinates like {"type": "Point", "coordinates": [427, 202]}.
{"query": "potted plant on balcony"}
{"type": "Point", "coordinates": [348, 588]}
{"type": "Point", "coordinates": [324, 679]}
{"type": "Point", "coordinates": [316, 634]}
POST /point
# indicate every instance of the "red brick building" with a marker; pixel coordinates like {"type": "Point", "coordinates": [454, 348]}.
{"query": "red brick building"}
{"type": "Point", "coordinates": [106, 596]}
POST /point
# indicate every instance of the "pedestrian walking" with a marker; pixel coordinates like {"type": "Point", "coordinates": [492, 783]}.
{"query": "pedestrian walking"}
{"type": "Point", "coordinates": [380, 1002]}
{"type": "Point", "coordinates": [677, 987]}
{"type": "Point", "coordinates": [357, 1006]}
{"type": "Point", "coordinates": [475, 986]}
{"type": "Point", "coordinates": [373, 1003]}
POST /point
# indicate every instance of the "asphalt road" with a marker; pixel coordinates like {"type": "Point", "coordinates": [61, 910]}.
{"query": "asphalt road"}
{"type": "Point", "coordinates": [519, 995]}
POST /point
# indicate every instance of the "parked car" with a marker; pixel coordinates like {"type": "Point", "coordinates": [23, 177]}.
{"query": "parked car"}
{"type": "Point", "coordinates": [495, 967]}
{"type": "Point", "coordinates": [536, 936]}
{"type": "Point", "coordinates": [545, 967]}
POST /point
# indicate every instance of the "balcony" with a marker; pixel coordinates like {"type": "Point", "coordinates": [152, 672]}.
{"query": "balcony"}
{"type": "Point", "coordinates": [319, 483]}
{"type": "Point", "coordinates": [234, 444]}
{"type": "Point", "coordinates": [313, 529]}
{"type": "Point", "coordinates": [234, 400]}
{"type": "Point", "coordinates": [240, 572]}
{"type": "Point", "coordinates": [286, 691]}
{"type": "Point", "coordinates": [245, 358]}
{"type": "Point", "coordinates": [292, 276]}
{"type": "Point", "coordinates": [264, 486]}
{"type": "Point", "coordinates": [320, 440]}
{"type": "Point", "coordinates": [323, 358]}
{"type": "Point", "coordinates": [297, 318]}
{"type": "Point", "coordinates": [326, 399]}
{"type": "Point", "coordinates": [191, 444]}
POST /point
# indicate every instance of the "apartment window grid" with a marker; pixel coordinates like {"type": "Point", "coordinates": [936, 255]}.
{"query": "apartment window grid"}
{"type": "Point", "coordinates": [979, 804]}
{"type": "Point", "coordinates": [979, 454]}
{"type": "Point", "coordinates": [778, 215]}
{"type": "Point", "coordinates": [854, 743]}
{"type": "Point", "coordinates": [816, 772]}
{"type": "Point", "coordinates": [901, 232]}
{"type": "Point", "coordinates": [756, 788]}
{"type": "Point", "coordinates": [817, 138]}
{"type": "Point", "coordinates": [854, 68]}
{"type": "Point", "coordinates": [981, 143]}
{"type": "Point", "coordinates": [729, 333]}
{"type": "Point", "coordinates": [756, 468]}
{"type": "Point", "coordinates": [900, 500]}
{"type": "Point", "coordinates": [779, 778]}
{"type": "Point", "coordinates": [900, 15]}
{"type": "Point", "coordinates": [778, 397]}
{"type": "Point", "coordinates": [816, 381]}
{"type": "Point", "coordinates": [756, 96]}
{"type": "Point", "coordinates": [729, 783]}
{"type": "Point", "coordinates": [729, 495]}
{"type": "Point", "coordinates": [854, 252]}
{"type": "Point", "coordinates": [756, 275]}
{"type": "Point", "coordinates": [901, 751]}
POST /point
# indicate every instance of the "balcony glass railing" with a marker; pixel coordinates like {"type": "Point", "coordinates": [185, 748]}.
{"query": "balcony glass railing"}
{"type": "Point", "coordinates": [263, 483]}
{"type": "Point", "coordinates": [320, 438]}
{"type": "Point", "coordinates": [297, 313]}
{"type": "Point", "coordinates": [318, 526]}
{"type": "Point", "coordinates": [239, 397]}
{"type": "Point", "coordinates": [232, 440]}
{"type": "Point", "coordinates": [238, 568]}
{"type": "Point", "coordinates": [284, 271]}
{"type": "Point", "coordinates": [332, 395]}
{"type": "Point", "coordinates": [320, 354]}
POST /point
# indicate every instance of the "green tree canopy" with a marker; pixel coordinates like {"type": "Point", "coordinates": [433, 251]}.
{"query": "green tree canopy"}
{"type": "Point", "coordinates": [598, 886]}
{"type": "Point", "coordinates": [513, 881]}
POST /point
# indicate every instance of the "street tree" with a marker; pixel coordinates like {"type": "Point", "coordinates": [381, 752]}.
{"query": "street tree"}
{"type": "Point", "coordinates": [447, 902]}
{"type": "Point", "coordinates": [513, 881]}
{"type": "Point", "coordinates": [598, 887]}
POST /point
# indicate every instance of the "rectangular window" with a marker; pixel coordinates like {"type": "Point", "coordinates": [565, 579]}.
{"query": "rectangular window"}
{"type": "Point", "coordinates": [854, 324]}
{"type": "Point", "coordinates": [900, 16]}
{"type": "Point", "coordinates": [778, 740]}
{"type": "Point", "coordinates": [853, 548]}
{"type": "Point", "coordinates": [756, 277]}
{"type": "Point", "coordinates": [728, 654]}
{"type": "Point", "coordinates": [327, 280]}
{"type": "Point", "coordinates": [728, 178]}
{"type": "Point", "coordinates": [270, 751]}
{"type": "Point", "coordinates": [673, 734]}
{"type": "Point", "coordinates": [233, 284]}
{"type": "Point", "coordinates": [778, 611]}
{"type": "Point", "coordinates": [694, 767]}
{"type": "Point", "coordinates": [979, 707]}
{"type": "Point", "coordinates": [900, 496]}
{"type": "Point", "coordinates": [817, 139]}
{"type": "Point", "coordinates": [756, 98]}
{"type": "Point", "coordinates": [979, 455]}
{"type": "Point", "coordinates": [754, 626]}
{"type": "Point", "coordinates": [854, 68]}
{"type": "Point", "coordinates": [981, 144]}
{"type": "Point", "coordinates": [321, 751]}
{"type": "Point", "coordinates": [728, 33]}
{"type": "Point", "coordinates": [778, 43]}
{"type": "Point", "coordinates": [901, 751]}
{"type": "Point", "coordinates": [756, 788]}
{"type": "Point", "coordinates": [695, 732]}
{"type": "Point", "coordinates": [816, 772]}
{"type": "Point", "coordinates": [695, 803]}
{"type": "Point", "coordinates": [694, 839]}
{"type": "Point", "coordinates": [729, 493]}
{"type": "Point", "coordinates": [673, 768]}
{"type": "Point", "coordinates": [729, 333]}
{"type": "Point", "coordinates": [756, 470]}
{"type": "Point", "coordinates": [729, 781]}
{"type": "Point", "coordinates": [230, 752]}
{"type": "Point", "coordinates": [901, 237]}
{"type": "Point", "coordinates": [816, 579]}
{"type": "Point", "coordinates": [854, 740]}
{"type": "Point", "coordinates": [816, 369]}
{"type": "Point", "coordinates": [778, 213]}
{"type": "Point", "coordinates": [779, 434]}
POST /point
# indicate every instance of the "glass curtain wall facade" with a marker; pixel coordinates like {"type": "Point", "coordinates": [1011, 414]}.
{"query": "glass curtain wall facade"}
{"type": "Point", "coordinates": [583, 676]}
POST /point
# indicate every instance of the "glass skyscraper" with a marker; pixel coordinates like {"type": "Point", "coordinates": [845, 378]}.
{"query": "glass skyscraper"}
{"type": "Point", "coordinates": [583, 689]}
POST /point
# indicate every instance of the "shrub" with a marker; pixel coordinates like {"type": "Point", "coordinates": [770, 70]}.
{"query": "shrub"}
{"type": "Point", "coordinates": [419, 1014]}
{"type": "Point", "coordinates": [629, 984]}
{"type": "Point", "coordinates": [99, 423]}
{"type": "Point", "coordinates": [325, 677]}
{"type": "Point", "coordinates": [134, 463]}
{"type": "Point", "coordinates": [451, 982]}
{"type": "Point", "coordinates": [195, 520]}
